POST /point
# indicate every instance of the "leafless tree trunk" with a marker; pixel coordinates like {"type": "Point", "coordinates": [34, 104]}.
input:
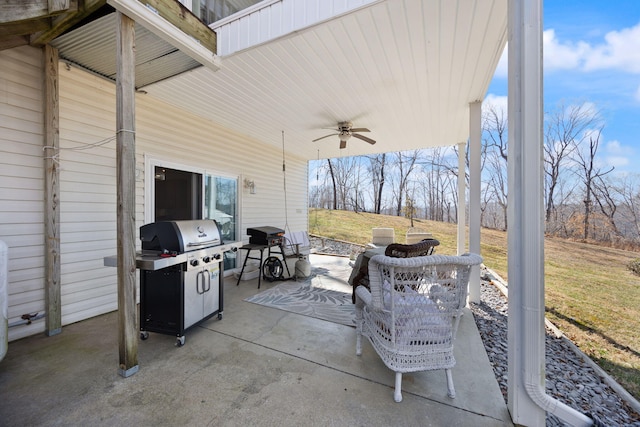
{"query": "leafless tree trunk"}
{"type": "Point", "coordinates": [335, 187]}
{"type": "Point", "coordinates": [377, 171]}
{"type": "Point", "coordinates": [404, 164]}
{"type": "Point", "coordinates": [605, 198]}
{"type": "Point", "coordinates": [495, 163]}
{"type": "Point", "coordinates": [565, 130]}
{"type": "Point", "coordinates": [585, 158]}
{"type": "Point", "coordinates": [630, 215]}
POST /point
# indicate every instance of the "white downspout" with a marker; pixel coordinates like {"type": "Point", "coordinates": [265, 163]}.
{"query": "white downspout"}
{"type": "Point", "coordinates": [526, 395]}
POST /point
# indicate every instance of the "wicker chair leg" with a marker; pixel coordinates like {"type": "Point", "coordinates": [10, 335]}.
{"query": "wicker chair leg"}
{"type": "Point", "coordinates": [452, 391]}
{"type": "Point", "coordinates": [359, 321]}
{"type": "Point", "coordinates": [397, 395]}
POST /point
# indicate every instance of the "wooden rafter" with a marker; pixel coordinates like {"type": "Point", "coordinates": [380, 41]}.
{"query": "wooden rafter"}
{"type": "Point", "coordinates": [24, 10]}
{"type": "Point", "coordinates": [37, 22]}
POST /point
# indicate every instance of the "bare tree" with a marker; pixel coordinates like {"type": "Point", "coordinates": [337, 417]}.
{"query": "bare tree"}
{"type": "Point", "coordinates": [377, 172]}
{"type": "Point", "coordinates": [405, 163]}
{"type": "Point", "coordinates": [494, 155]}
{"type": "Point", "coordinates": [590, 173]}
{"type": "Point", "coordinates": [565, 130]}
{"type": "Point", "coordinates": [335, 186]}
{"type": "Point", "coordinates": [606, 199]}
{"type": "Point", "coordinates": [629, 192]}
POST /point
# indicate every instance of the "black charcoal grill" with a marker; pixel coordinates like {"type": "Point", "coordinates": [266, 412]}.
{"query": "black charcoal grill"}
{"type": "Point", "coordinates": [267, 235]}
{"type": "Point", "coordinates": [181, 273]}
{"type": "Point", "coordinates": [271, 239]}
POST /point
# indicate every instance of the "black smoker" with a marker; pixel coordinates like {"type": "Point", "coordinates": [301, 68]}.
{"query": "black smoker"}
{"type": "Point", "coordinates": [181, 272]}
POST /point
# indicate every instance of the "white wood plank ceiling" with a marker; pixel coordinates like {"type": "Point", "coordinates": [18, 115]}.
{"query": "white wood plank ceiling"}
{"type": "Point", "coordinates": [405, 69]}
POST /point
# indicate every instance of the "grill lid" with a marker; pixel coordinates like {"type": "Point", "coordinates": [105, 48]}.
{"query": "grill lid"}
{"type": "Point", "coordinates": [265, 231]}
{"type": "Point", "coordinates": [180, 236]}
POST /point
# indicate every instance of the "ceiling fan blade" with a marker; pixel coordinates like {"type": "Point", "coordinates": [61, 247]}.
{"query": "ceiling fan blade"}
{"type": "Point", "coordinates": [343, 144]}
{"type": "Point", "coordinates": [360, 130]}
{"type": "Point", "coordinates": [364, 138]}
{"type": "Point", "coordinates": [323, 137]}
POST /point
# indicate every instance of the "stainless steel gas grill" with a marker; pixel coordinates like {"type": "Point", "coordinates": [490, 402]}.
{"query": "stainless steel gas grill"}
{"type": "Point", "coordinates": [181, 274]}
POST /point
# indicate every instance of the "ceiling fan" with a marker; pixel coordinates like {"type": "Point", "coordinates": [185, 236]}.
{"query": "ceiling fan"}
{"type": "Point", "coordinates": [345, 131]}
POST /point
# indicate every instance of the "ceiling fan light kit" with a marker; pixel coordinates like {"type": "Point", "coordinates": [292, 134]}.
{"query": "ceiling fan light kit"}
{"type": "Point", "coordinates": [345, 130]}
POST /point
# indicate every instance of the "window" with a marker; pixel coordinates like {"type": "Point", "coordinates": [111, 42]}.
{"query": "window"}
{"type": "Point", "coordinates": [176, 192]}
{"type": "Point", "coordinates": [220, 203]}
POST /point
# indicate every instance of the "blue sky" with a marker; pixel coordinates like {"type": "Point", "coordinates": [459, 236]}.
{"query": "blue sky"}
{"type": "Point", "coordinates": [592, 54]}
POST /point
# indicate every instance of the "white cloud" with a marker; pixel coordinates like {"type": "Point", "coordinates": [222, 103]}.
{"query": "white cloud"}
{"type": "Point", "coordinates": [617, 155]}
{"type": "Point", "coordinates": [614, 147]}
{"type": "Point", "coordinates": [616, 161]}
{"type": "Point", "coordinates": [620, 50]}
{"type": "Point", "coordinates": [500, 103]}
{"type": "Point", "coordinates": [561, 56]}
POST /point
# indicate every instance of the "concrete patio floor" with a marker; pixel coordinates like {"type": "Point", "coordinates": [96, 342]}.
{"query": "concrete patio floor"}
{"type": "Point", "coordinates": [257, 366]}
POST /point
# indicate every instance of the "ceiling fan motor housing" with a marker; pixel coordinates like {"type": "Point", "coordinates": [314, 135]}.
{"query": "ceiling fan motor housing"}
{"type": "Point", "coordinates": [345, 131]}
{"type": "Point", "coordinates": [344, 135]}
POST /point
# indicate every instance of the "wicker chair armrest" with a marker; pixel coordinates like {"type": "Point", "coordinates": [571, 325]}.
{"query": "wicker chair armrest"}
{"type": "Point", "coordinates": [364, 295]}
{"type": "Point", "coordinates": [422, 248]}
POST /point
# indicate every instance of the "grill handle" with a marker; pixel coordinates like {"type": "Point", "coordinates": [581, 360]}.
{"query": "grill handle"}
{"type": "Point", "coordinates": [200, 274]}
{"type": "Point", "coordinates": [208, 243]}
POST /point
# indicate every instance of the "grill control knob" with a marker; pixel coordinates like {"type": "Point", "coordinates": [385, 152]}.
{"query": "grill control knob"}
{"type": "Point", "coordinates": [206, 259]}
{"type": "Point", "coordinates": [194, 262]}
{"type": "Point", "coordinates": [216, 256]}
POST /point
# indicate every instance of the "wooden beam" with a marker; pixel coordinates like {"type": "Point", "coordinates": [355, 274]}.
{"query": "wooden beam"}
{"type": "Point", "coordinates": [13, 41]}
{"type": "Point", "coordinates": [187, 22]}
{"type": "Point", "coordinates": [62, 23]}
{"type": "Point", "coordinates": [22, 28]}
{"type": "Point", "coordinates": [52, 192]}
{"type": "Point", "coordinates": [56, 6]}
{"type": "Point", "coordinates": [126, 195]}
{"type": "Point", "coordinates": [21, 10]}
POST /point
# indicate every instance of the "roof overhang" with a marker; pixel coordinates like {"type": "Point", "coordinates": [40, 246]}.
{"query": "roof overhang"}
{"type": "Point", "coordinates": [407, 70]}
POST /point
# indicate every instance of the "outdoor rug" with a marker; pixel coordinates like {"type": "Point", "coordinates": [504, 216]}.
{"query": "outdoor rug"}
{"type": "Point", "coordinates": [306, 299]}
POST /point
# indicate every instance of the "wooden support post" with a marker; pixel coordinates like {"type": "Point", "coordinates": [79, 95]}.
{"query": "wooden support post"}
{"type": "Point", "coordinates": [126, 191]}
{"type": "Point", "coordinates": [53, 319]}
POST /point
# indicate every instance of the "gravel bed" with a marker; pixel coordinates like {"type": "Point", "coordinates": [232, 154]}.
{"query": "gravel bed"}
{"type": "Point", "coordinates": [568, 377]}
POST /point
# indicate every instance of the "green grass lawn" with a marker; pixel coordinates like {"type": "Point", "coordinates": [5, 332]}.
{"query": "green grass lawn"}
{"type": "Point", "coordinates": [590, 295]}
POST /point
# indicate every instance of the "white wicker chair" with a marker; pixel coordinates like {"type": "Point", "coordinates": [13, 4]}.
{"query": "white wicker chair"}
{"type": "Point", "coordinates": [412, 312]}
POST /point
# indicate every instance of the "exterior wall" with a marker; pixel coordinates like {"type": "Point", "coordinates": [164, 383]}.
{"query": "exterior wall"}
{"type": "Point", "coordinates": [22, 183]}
{"type": "Point", "coordinates": [268, 20]}
{"type": "Point", "coordinates": [88, 181]}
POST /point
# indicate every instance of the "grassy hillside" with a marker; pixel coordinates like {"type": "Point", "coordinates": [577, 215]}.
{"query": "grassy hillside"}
{"type": "Point", "coordinates": [590, 294]}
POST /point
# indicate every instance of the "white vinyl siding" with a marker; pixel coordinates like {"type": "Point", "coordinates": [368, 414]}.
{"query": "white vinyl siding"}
{"type": "Point", "coordinates": [87, 195]}
{"type": "Point", "coordinates": [88, 181]}
{"type": "Point", "coordinates": [269, 20]}
{"type": "Point", "coordinates": [22, 183]}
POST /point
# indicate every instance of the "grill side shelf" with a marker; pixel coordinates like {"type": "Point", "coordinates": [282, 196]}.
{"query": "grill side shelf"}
{"type": "Point", "coordinates": [148, 262]}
